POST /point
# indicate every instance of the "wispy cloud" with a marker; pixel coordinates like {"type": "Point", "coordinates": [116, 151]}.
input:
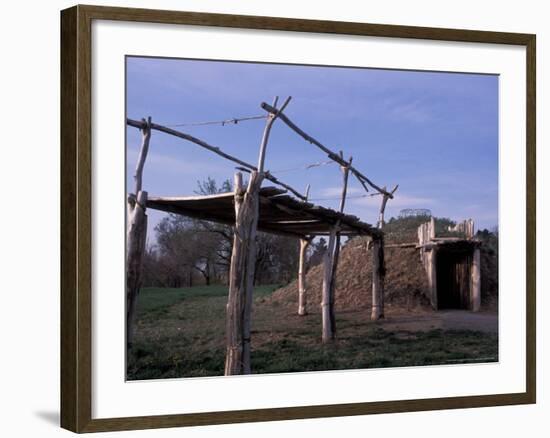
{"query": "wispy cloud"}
{"type": "Point", "coordinates": [415, 110]}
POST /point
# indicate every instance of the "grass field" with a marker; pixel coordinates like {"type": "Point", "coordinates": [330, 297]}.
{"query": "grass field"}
{"type": "Point", "coordinates": [181, 333]}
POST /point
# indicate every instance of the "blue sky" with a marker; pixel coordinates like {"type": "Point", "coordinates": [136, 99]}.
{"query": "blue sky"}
{"type": "Point", "coordinates": [435, 134]}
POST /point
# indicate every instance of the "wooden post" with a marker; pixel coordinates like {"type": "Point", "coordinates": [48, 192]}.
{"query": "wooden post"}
{"type": "Point", "coordinates": [145, 138]}
{"type": "Point", "coordinates": [385, 196]}
{"type": "Point", "coordinates": [475, 285]}
{"type": "Point", "coordinates": [431, 270]}
{"type": "Point", "coordinates": [331, 266]}
{"type": "Point", "coordinates": [328, 330]}
{"type": "Point", "coordinates": [243, 262]}
{"type": "Point", "coordinates": [378, 275]}
{"type": "Point", "coordinates": [241, 277]}
{"type": "Point", "coordinates": [267, 130]}
{"type": "Point", "coordinates": [136, 236]}
{"type": "Point", "coordinates": [302, 288]}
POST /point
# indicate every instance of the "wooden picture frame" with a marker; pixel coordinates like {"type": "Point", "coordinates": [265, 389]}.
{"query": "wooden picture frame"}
{"type": "Point", "coordinates": [76, 218]}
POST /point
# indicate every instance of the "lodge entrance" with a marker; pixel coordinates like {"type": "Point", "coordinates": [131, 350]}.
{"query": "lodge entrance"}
{"type": "Point", "coordinates": [453, 279]}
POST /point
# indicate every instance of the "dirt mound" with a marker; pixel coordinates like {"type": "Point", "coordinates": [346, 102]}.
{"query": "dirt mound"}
{"type": "Point", "coordinates": [406, 284]}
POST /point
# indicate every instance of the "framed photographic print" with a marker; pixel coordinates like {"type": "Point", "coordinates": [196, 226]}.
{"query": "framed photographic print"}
{"type": "Point", "coordinates": [268, 218]}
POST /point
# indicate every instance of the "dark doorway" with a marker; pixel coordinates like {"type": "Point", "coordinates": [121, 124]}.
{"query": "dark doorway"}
{"type": "Point", "coordinates": [453, 279]}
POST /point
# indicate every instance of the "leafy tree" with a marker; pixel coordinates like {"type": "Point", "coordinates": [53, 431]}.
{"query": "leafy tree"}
{"type": "Point", "coordinates": [317, 251]}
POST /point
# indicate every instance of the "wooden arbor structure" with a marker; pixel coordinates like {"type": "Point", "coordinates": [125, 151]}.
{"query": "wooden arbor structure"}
{"type": "Point", "coordinates": [251, 209]}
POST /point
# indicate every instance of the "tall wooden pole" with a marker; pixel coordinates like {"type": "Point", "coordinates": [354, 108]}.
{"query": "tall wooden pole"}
{"type": "Point", "coordinates": [145, 138]}
{"type": "Point", "coordinates": [431, 269]}
{"type": "Point", "coordinates": [267, 130]}
{"type": "Point", "coordinates": [475, 282]}
{"type": "Point", "coordinates": [241, 276]}
{"type": "Point", "coordinates": [378, 262]}
{"type": "Point", "coordinates": [345, 173]}
{"type": "Point", "coordinates": [378, 275]}
{"type": "Point", "coordinates": [328, 329]}
{"type": "Point", "coordinates": [243, 262]}
{"type": "Point", "coordinates": [331, 266]}
{"type": "Point", "coordinates": [385, 197]}
{"type": "Point", "coordinates": [302, 287]}
{"type": "Point", "coordinates": [136, 234]}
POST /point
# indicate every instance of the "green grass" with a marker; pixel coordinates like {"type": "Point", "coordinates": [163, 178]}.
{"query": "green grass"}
{"type": "Point", "coordinates": [156, 301]}
{"type": "Point", "coordinates": [181, 333]}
